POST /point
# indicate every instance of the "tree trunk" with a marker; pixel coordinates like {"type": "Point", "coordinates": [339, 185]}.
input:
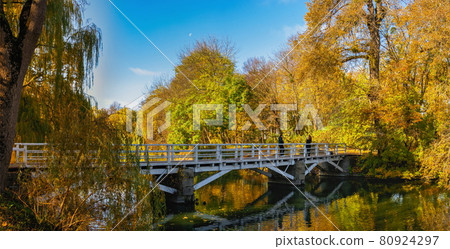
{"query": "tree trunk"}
{"type": "Point", "coordinates": [375, 16]}
{"type": "Point", "coordinates": [15, 56]}
{"type": "Point", "coordinates": [9, 108]}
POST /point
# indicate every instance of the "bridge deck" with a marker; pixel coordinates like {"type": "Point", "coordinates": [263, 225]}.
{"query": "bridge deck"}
{"type": "Point", "coordinates": [156, 159]}
{"type": "Point", "coordinates": [165, 159]}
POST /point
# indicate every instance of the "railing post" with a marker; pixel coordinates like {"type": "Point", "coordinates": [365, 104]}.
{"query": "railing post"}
{"type": "Point", "coordinates": [196, 153]}
{"type": "Point", "coordinates": [317, 150]}
{"type": "Point", "coordinates": [326, 150]}
{"type": "Point", "coordinates": [17, 153]}
{"type": "Point", "coordinates": [305, 152]}
{"type": "Point", "coordinates": [146, 155]}
{"type": "Point", "coordinates": [138, 156]}
{"type": "Point", "coordinates": [25, 155]}
{"type": "Point", "coordinates": [235, 151]}
{"type": "Point", "coordinates": [277, 147]}
{"type": "Point", "coordinates": [337, 149]}
{"type": "Point", "coordinates": [242, 152]}
{"type": "Point", "coordinates": [168, 152]}
{"type": "Point", "coordinates": [259, 152]}
{"type": "Point", "coordinates": [219, 152]}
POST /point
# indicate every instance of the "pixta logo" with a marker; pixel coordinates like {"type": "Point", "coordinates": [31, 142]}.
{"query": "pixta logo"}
{"type": "Point", "coordinates": [144, 111]}
{"type": "Point", "coordinates": [308, 116]}
{"type": "Point", "coordinates": [282, 109]}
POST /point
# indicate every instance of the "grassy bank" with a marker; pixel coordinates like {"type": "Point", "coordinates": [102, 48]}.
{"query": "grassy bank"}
{"type": "Point", "coordinates": [15, 216]}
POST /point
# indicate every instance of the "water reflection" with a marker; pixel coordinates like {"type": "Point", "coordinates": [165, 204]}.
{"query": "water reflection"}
{"type": "Point", "coordinates": [244, 200]}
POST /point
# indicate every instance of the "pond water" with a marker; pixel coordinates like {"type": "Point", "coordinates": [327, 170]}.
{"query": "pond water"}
{"type": "Point", "coordinates": [244, 200]}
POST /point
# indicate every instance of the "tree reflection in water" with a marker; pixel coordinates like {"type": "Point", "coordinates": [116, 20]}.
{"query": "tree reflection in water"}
{"type": "Point", "coordinates": [243, 200]}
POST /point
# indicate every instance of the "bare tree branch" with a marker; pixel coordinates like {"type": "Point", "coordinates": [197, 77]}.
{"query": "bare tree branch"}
{"type": "Point", "coordinates": [354, 57]}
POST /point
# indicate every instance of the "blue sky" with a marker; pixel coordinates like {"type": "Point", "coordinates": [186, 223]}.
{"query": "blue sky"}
{"type": "Point", "coordinates": [129, 64]}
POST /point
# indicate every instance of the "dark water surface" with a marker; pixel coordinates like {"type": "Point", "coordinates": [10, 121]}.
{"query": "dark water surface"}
{"type": "Point", "coordinates": [246, 201]}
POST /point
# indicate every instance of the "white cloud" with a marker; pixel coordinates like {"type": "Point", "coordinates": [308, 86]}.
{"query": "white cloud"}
{"type": "Point", "coordinates": [143, 72]}
{"type": "Point", "coordinates": [293, 30]}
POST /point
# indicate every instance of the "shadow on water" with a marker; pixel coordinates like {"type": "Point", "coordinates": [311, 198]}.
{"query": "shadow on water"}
{"type": "Point", "coordinates": [243, 200]}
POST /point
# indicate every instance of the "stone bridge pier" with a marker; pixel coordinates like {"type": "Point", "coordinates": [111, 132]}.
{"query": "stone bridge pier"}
{"type": "Point", "coordinates": [180, 187]}
{"type": "Point", "coordinates": [347, 163]}
{"type": "Point", "coordinates": [297, 171]}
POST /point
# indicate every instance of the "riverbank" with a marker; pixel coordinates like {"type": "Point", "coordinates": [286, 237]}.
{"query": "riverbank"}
{"type": "Point", "coordinates": [386, 174]}
{"type": "Point", "coordinates": [15, 216]}
{"type": "Point", "coordinates": [405, 173]}
{"type": "Point", "coordinates": [371, 166]}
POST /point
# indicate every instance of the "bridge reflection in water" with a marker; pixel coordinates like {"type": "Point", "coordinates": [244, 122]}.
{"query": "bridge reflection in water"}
{"type": "Point", "coordinates": [276, 208]}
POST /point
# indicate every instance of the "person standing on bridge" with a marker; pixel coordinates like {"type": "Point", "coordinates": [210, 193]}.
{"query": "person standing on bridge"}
{"type": "Point", "coordinates": [308, 145]}
{"type": "Point", "coordinates": [281, 144]}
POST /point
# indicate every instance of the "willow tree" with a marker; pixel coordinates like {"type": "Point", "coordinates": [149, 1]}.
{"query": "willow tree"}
{"type": "Point", "coordinates": [17, 44]}
{"type": "Point", "coordinates": [44, 44]}
{"type": "Point", "coordinates": [59, 73]}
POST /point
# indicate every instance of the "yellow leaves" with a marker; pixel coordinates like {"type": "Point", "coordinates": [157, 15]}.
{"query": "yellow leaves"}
{"type": "Point", "coordinates": [436, 161]}
{"type": "Point", "coordinates": [216, 192]}
{"type": "Point", "coordinates": [4, 224]}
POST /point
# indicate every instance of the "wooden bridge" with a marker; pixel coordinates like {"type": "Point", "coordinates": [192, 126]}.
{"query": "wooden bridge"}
{"type": "Point", "coordinates": [288, 163]}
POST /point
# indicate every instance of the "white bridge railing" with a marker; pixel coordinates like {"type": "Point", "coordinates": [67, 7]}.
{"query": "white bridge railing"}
{"type": "Point", "coordinates": [29, 154]}
{"type": "Point", "coordinates": [34, 154]}
{"type": "Point", "coordinates": [164, 153]}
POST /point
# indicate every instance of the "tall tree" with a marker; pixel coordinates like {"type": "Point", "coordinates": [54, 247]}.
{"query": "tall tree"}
{"type": "Point", "coordinates": [211, 70]}
{"type": "Point", "coordinates": [16, 51]}
{"type": "Point", "coordinates": [352, 29]}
